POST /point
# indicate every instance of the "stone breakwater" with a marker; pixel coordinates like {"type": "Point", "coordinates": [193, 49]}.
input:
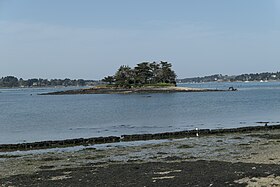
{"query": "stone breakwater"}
{"type": "Point", "coordinates": [104, 90]}
{"type": "Point", "coordinates": [58, 143]}
{"type": "Point", "coordinates": [133, 137]}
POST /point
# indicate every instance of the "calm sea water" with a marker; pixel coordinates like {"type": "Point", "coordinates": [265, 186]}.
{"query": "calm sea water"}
{"type": "Point", "coordinates": [27, 117]}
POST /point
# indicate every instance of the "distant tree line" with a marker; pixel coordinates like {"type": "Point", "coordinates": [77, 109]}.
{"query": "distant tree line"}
{"type": "Point", "coordinates": [143, 74]}
{"type": "Point", "coordinates": [11, 81]}
{"type": "Point", "coordinates": [258, 77]}
{"type": "Point", "coordinates": [243, 77]}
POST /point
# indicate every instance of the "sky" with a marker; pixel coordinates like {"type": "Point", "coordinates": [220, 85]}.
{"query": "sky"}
{"type": "Point", "coordinates": [90, 39]}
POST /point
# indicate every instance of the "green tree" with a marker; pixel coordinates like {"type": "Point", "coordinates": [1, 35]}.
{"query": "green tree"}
{"type": "Point", "coordinates": [143, 73]}
{"type": "Point", "coordinates": [167, 74]}
{"type": "Point", "coordinates": [124, 76]}
{"type": "Point", "coordinates": [155, 69]}
{"type": "Point", "coordinates": [81, 82]}
{"type": "Point", "coordinates": [9, 81]}
{"type": "Point", "coordinates": [109, 79]}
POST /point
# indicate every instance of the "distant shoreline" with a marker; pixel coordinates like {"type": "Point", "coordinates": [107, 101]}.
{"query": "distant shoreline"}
{"type": "Point", "coordinates": [255, 81]}
{"type": "Point", "coordinates": [179, 82]}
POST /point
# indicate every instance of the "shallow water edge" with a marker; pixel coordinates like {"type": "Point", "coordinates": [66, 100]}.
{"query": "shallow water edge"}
{"type": "Point", "coordinates": [133, 137]}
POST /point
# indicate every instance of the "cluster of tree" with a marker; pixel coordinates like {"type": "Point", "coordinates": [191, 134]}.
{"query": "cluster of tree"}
{"type": "Point", "coordinates": [11, 81]}
{"type": "Point", "coordinates": [210, 78]}
{"type": "Point", "coordinates": [143, 74]}
{"type": "Point", "coordinates": [258, 77]}
{"type": "Point", "coordinates": [243, 77]}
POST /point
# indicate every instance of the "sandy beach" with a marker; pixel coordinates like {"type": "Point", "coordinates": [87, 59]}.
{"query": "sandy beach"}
{"type": "Point", "coordinates": [232, 159]}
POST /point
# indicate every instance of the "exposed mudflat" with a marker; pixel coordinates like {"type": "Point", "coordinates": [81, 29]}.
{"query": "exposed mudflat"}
{"type": "Point", "coordinates": [234, 159]}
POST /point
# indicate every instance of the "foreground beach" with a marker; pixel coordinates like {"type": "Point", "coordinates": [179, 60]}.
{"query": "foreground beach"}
{"type": "Point", "coordinates": [231, 159]}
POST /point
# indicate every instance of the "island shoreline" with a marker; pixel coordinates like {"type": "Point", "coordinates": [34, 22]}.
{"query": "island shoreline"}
{"type": "Point", "coordinates": [117, 90]}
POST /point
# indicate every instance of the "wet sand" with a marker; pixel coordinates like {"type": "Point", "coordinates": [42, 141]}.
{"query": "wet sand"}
{"type": "Point", "coordinates": [233, 159]}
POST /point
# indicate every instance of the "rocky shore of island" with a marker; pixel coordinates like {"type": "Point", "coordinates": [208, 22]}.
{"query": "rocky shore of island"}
{"type": "Point", "coordinates": [117, 90]}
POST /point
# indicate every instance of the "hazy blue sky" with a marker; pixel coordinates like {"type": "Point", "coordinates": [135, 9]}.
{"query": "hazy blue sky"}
{"type": "Point", "coordinates": [91, 38]}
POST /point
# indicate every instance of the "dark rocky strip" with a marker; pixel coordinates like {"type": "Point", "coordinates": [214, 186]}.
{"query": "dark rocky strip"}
{"type": "Point", "coordinates": [128, 91]}
{"type": "Point", "coordinates": [186, 173]}
{"type": "Point", "coordinates": [133, 137]}
{"type": "Point", "coordinates": [194, 133]}
{"type": "Point", "coordinates": [58, 143]}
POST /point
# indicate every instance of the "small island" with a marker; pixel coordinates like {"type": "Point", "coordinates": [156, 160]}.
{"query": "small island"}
{"type": "Point", "coordinates": [145, 77]}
